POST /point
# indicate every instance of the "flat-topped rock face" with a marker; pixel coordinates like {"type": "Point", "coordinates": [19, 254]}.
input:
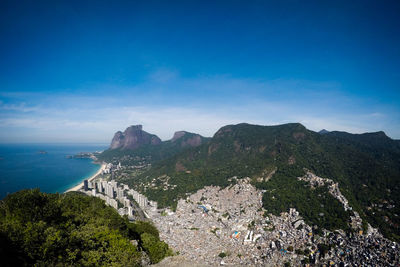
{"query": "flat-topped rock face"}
{"type": "Point", "coordinates": [133, 137]}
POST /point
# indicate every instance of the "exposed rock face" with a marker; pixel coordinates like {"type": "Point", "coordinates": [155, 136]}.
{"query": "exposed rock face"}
{"type": "Point", "coordinates": [193, 141]}
{"type": "Point", "coordinates": [118, 140]}
{"type": "Point", "coordinates": [133, 137]}
{"type": "Point", "coordinates": [187, 139]}
{"type": "Point", "coordinates": [178, 135]}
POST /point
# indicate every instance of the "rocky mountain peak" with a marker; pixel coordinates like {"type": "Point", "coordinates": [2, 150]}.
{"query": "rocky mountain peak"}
{"type": "Point", "coordinates": [133, 137]}
{"type": "Point", "coordinates": [323, 131]}
{"type": "Point", "coordinates": [135, 128]}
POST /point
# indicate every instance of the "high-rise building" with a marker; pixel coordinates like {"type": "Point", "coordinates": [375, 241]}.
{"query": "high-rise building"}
{"type": "Point", "coordinates": [104, 185]}
{"type": "Point", "coordinates": [99, 187]}
{"type": "Point", "coordinates": [127, 202]}
{"type": "Point", "coordinates": [85, 185]}
{"type": "Point", "coordinates": [114, 203]}
{"type": "Point", "coordinates": [153, 205]}
{"type": "Point", "coordinates": [130, 211]}
{"type": "Point", "coordinates": [120, 194]}
{"type": "Point", "coordinates": [141, 200]}
{"type": "Point", "coordinates": [109, 190]}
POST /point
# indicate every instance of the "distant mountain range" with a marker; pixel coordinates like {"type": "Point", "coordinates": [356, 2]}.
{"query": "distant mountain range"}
{"type": "Point", "coordinates": [135, 144]}
{"type": "Point", "coordinates": [134, 137]}
{"type": "Point", "coordinates": [366, 166]}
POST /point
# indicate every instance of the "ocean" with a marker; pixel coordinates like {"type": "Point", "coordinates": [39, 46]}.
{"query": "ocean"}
{"type": "Point", "coordinates": [23, 166]}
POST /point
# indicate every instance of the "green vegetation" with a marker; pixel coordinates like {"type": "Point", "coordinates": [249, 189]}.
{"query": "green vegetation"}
{"type": "Point", "coordinates": [317, 206]}
{"type": "Point", "coordinates": [156, 249]}
{"type": "Point", "coordinates": [72, 229]}
{"type": "Point", "coordinates": [251, 225]}
{"type": "Point", "coordinates": [367, 168]}
{"type": "Point", "coordinates": [323, 249]}
{"type": "Point", "coordinates": [214, 231]}
{"type": "Point", "coordinates": [222, 255]}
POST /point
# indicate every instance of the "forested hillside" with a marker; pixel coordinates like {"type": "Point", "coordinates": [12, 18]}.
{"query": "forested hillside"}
{"type": "Point", "coordinates": [367, 167]}
{"type": "Point", "coordinates": [72, 229]}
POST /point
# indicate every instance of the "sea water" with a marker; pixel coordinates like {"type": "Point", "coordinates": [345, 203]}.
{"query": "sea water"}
{"type": "Point", "coordinates": [44, 166]}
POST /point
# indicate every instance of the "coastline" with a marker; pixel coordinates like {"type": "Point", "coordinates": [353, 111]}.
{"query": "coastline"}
{"type": "Point", "coordinates": [80, 185]}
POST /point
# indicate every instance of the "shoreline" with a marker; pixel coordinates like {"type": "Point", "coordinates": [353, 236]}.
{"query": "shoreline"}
{"type": "Point", "coordinates": [80, 185]}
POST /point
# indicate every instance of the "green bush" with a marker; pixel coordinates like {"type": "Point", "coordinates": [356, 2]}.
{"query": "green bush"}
{"type": "Point", "coordinates": [222, 255]}
{"type": "Point", "coordinates": [156, 249]}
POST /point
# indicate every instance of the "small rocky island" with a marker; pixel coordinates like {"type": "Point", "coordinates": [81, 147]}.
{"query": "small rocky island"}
{"type": "Point", "coordinates": [83, 155]}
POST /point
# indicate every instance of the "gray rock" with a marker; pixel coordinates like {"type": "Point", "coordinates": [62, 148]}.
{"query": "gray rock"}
{"type": "Point", "coordinates": [133, 137]}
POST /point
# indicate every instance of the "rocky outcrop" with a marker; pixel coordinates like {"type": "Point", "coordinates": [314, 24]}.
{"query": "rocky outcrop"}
{"type": "Point", "coordinates": [187, 139]}
{"type": "Point", "coordinates": [178, 135]}
{"type": "Point", "coordinates": [133, 137]}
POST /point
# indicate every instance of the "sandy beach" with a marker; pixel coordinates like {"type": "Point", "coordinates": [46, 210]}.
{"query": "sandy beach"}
{"type": "Point", "coordinates": [79, 186]}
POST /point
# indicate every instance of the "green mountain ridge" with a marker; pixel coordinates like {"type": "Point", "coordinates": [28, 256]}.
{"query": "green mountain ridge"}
{"type": "Point", "coordinates": [374, 140]}
{"type": "Point", "coordinates": [366, 166]}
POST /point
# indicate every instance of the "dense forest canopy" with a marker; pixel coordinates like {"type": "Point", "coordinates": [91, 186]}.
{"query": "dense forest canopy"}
{"type": "Point", "coordinates": [72, 229]}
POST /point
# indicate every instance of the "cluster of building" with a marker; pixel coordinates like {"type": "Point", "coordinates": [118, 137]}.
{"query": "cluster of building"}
{"type": "Point", "coordinates": [119, 196]}
{"type": "Point", "coordinates": [218, 226]}
{"type": "Point", "coordinates": [113, 194]}
{"type": "Point", "coordinates": [161, 182]}
{"type": "Point", "coordinates": [229, 226]}
{"type": "Point", "coordinates": [109, 168]}
{"type": "Point", "coordinates": [225, 226]}
{"type": "Point", "coordinates": [142, 201]}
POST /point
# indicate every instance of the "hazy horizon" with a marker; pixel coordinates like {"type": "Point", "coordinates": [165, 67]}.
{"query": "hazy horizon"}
{"type": "Point", "coordinates": [78, 71]}
{"type": "Point", "coordinates": [108, 142]}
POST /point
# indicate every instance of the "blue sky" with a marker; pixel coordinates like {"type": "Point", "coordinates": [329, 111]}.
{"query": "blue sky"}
{"type": "Point", "coordinates": [77, 71]}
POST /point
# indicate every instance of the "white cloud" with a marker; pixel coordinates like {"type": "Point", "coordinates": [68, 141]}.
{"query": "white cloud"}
{"type": "Point", "coordinates": [20, 107]}
{"type": "Point", "coordinates": [99, 125]}
{"type": "Point", "coordinates": [201, 105]}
